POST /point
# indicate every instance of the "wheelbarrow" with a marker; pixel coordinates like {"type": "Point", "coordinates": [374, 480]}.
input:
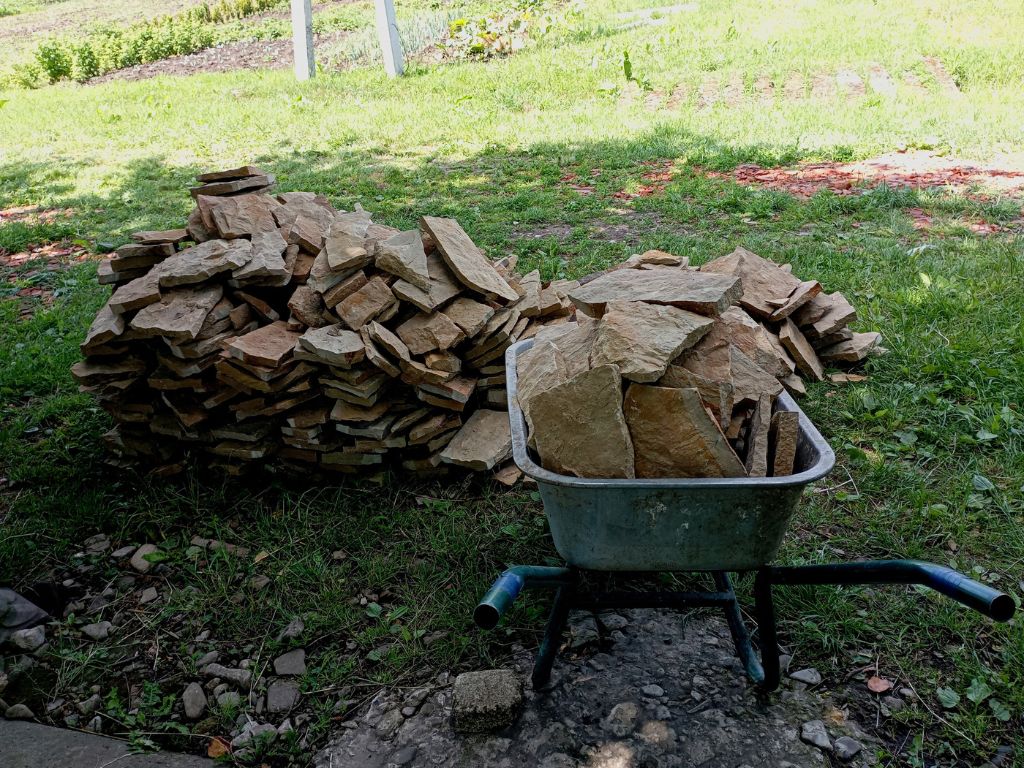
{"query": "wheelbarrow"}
{"type": "Point", "coordinates": [711, 525]}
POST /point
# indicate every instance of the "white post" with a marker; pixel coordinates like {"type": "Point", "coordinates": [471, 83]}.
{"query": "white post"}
{"type": "Point", "coordinates": [390, 45]}
{"type": "Point", "coordinates": [302, 35]}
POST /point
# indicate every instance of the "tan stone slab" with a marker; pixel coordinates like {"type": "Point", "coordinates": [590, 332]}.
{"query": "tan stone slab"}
{"type": "Point", "coordinates": [575, 344]}
{"type": "Point", "coordinates": [717, 395]}
{"type": "Point", "coordinates": [852, 350]}
{"type": "Point", "coordinates": [362, 306]}
{"type": "Point", "coordinates": [846, 378]}
{"type": "Point", "coordinates": [661, 259]}
{"type": "Point", "coordinates": [376, 357]}
{"type": "Point", "coordinates": [803, 353]}
{"type": "Point", "coordinates": [266, 257]}
{"type": "Point", "coordinates": [484, 441]}
{"type": "Point", "coordinates": [840, 314]}
{"type": "Point", "coordinates": [443, 286]}
{"type": "Point", "coordinates": [138, 256]}
{"type": "Point", "coordinates": [529, 304]}
{"type": "Point", "coordinates": [794, 385]}
{"type": "Point", "coordinates": [758, 438]}
{"type": "Point", "coordinates": [307, 232]}
{"type": "Point", "coordinates": [97, 372]}
{"type": "Point", "coordinates": [843, 334]}
{"type": "Point", "coordinates": [416, 374]}
{"type": "Point", "coordinates": [217, 188]}
{"type": "Point", "coordinates": [749, 380]}
{"type": "Point", "coordinates": [333, 344]}
{"type": "Point", "coordinates": [674, 436]}
{"type": "Point", "coordinates": [508, 475]}
{"type": "Point", "coordinates": [404, 257]}
{"type": "Point", "coordinates": [105, 327]}
{"type": "Point", "coordinates": [642, 339]}
{"type": "Point", "coordinates": [244, 215]}
{"type": "Point", "coordinates": [471, 316]}
{"type": "Point", "coordinates": [437, 424]}
{"type": "Point", "coordinates": [424, 333]}
{"type": "Point", "coordinates": [344, 289]}
{"type": "Point", "coordinates": [154, 236]}
{"type": "Point", "coordinates": [306, 307]}
{"type": "Point", "coordinates": [804, 293]}
{"type": "Point", "coordinates": [346, 252]}
{"type": "Point", "coordinates": [231, 174]}
{"type": "Point", "coordinates": [538, 369]}
{"type": "Point", "coordinates": [179, 315]}
{"type": "Point", "coordinates": [458, 388]}
{"type": "Point", "coordinates": [813, 310]}
{"type": "Point", "coordinates": [270, 345]}
{"type": "Point", "coordinates": [348, 412]}
{"type": "Point", "coordinates": [446, 361]}
{"type": "Point", "coordinates": [705, 294]}
{"type": "Point", "coordinates": [466, 261]}
{"type": "Point", "coordinates": [139, 293]}
{"type": "Point", "coordinates": [762, 280]}
{"type": "Point", "coordinates": [783, 435]}
{"type": "Point", "coordinates": [201, 262]}
{"type": "Point", "coordinates": [258, 306]}
{"type": "Point", "coordinates": [390, 343]}
{"type": "Point", "coordinates": [579, 428]}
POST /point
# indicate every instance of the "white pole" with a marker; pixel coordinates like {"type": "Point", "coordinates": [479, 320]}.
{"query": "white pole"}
{"type": "Point", "coordinates": [390, 45]}
{"type": "Point", "coordinates": [302, 35]}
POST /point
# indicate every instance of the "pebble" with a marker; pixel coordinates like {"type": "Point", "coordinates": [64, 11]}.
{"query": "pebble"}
{"type": "Point", "coordinates": [622, 719]}
{"type": "Point", "coordinates": [893, 704]}
{"type": "Point", "coordinates": [253, 732]}
{"type": "Point", "coordinates": [847, 748]}
{"type": "Point", "coordinates": [90, 705]}
{"type": "Point", "coordinates": [228, 700]}
{"type": "Point", "coordinates": [814, 733]}
{"type": "Point", "coordinates": [809, 676]}
{"type": "Point", "coordinates": [282, 695]}
{"type": "Point", "coordinates": [404, 756]}
{"type": "Point", "coordinates": [98, 631]}
{"type": "Point", "coordinates": [97, 544]}
{"type": "Point", "coordinates": [613, 621]}
{"type": "Point", "coordinates": [203, 636]}
{"type": "Point", "coordinates": [139, 562]}
{"type": "Point", "coordinates": [19, 712]}
{"type": "Point", "coordinates": [194, 700]}
{"type": "Point", "coordinates": [29, 639]}
{"type": "Point", "coordinates": [149, 594]}
{"type": "Point", "coordinates": [95, 725]}
{"type": "Point", "coordinates": [654, 691]}
{"type": "Point", "coordinates": [240, 678]}
{"type": "Point", "coordinates": [294, 629]}
{"type": "Point", "coordinates": [208, 658]}
{"type": "Point", "coordinates": [291, 663]}
{"type": "Point", "coordinates": [390, 722]}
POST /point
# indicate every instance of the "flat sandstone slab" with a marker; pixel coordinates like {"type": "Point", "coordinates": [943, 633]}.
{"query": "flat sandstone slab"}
{"type": "Point", "coordinates": [642, 339]}
{"type": "Point", "coordinates": [179, 315]}
{"type": "Point", "coordinates": [705, 294]}
{"type": "Point", "coordinates": [471, 267]}
{"type": "Point", "coordinates": [270, 345]}
{"type": "Point", "coordinates": [484, 441]}
{"type": "Point", "coordinates": [674, 436]}
{"type": "Point", "coordinates": [579, 428]}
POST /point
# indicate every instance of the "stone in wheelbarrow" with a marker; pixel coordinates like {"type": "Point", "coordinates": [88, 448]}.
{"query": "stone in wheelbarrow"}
{"type": "Point", "coordinates": [484, 701]}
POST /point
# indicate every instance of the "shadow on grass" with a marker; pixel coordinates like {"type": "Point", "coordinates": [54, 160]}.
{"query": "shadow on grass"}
{"type": "Point", "coordinates": [426, 551]}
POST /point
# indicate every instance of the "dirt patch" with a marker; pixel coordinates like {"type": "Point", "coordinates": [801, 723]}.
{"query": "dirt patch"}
{"type": "Point", "coordinates": [913, 169]}
{"type": "Point", "coordinates": [32, 214]}
{"type": "Point", "coordinates": [26, 277]}
{"type": "Point", "coordinates": [245, 54]}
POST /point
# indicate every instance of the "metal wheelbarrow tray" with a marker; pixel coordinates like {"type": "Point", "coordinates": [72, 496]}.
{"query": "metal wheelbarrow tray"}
{"type": "Point", "coordinates": [716, 525]}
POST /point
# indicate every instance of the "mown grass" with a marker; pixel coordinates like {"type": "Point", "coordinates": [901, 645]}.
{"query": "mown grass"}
{"type": "Point", "coordinates": [930, 450]}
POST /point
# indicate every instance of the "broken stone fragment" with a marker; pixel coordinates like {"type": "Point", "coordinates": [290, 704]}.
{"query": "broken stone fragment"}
{"type": "Point", "coordinates": [466, 261]}
{"type": "Point", "coordinates": [852, 350]}
{"type": "Point", "coordinates": [674, 435]}
{"type": "Point", "coordinates": [266, 258]}
{"type": "Point", "coordinates": [471, 316]}
{"type": "Point", "coordinates": [642, 339]}
{"type": "Point", "coordinates": [762, 281]}
{"type": "Point", "coordinates": [201, 262]}
{"type": "Point", "coordinates": [346, 252]}
{"type": "Point", "coordinates": [782, 441]}
{"type": "Point", "coordinates": [758, 438]}
{"type": "Point", "coordinates": [443, 286]}
{"type": "Point", "coordinates": [424, 333]}
{"type": "Point", "coordinates": [801, 350]}
{"type": "Point", "coordinates": [136, 294]}
{"type": "Point", "coordinates": [244, 215]}
{"type": "Point", "coordinates": [179, 315]}
{"type": "Point", "coordinates": [839, 313]}
{"type": "Point", "coordinates": [404, 257]}
{"type": "Point", "coordinates": [106, 326]}
{"type": "Point", "coordinates": [539, 368]}
{"type": "Point", "coordinates": [579, 428]}
{"type": "Point", "coordinates": [270, 345]}
{"type": "Point", "coordinates": [333, 344]}
{"type": "Point", "coordinates": [804, 293]}
{"type": "Point", "coordinates": [365, 304]}
{"type": "Point", "coordinates": [705, 294]}
{"type": "Point", "coordinates": [484, 441]}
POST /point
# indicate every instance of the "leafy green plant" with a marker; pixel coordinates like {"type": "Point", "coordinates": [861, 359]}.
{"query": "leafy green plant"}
{"type": "Point", "coordinates": [54, 59]}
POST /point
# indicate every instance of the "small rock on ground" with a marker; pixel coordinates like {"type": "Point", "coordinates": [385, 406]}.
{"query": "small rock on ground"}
{"type": "Point", "coordinates": [139, 561]}
{"type": "Point", "coordinates": [98, 631]}
{"type": "Point", "coordinates": [194, 701]}
{"type": "Point", "coordinates": [291, 663]}
{"type": "Point", "coordinates": [814, 733]}
{"type": "Point", "coordinates": [486, 701]}
{"type": "Point", "coordinates": [282, 696]}
{"type": "Point", "coordinates": [29, 639]}
{"type": "Point", "coordinates": [810, 676]}
{"type": "Point", "coordinates": [847, 748]}
{"type": "Point", "coordinates": [19, 712]}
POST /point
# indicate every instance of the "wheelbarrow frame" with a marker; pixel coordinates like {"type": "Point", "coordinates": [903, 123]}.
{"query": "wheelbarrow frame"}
{"type": "Point", "coordinates": [760, 509]}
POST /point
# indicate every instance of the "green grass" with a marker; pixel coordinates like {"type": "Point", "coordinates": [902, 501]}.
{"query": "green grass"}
{"type": "Point", "coordinates": [919, 443]}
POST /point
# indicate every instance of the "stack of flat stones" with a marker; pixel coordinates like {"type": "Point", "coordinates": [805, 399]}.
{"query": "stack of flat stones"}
{"type": "Point", "coordinates": [672, 371]}
{"type": "Point", "coordinates": [276, 328]}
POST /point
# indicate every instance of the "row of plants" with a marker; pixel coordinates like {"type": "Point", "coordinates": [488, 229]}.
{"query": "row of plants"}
{"type": "Point", "coordinates": [109, 48]}
{"type": "Point", "coordinates": [505, 31]}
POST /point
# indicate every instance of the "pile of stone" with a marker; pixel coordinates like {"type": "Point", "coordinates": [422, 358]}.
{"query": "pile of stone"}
{"type": "Point", "coordinates": [670, 371]}
{"type": "Point", "coordinates": [275, 327]}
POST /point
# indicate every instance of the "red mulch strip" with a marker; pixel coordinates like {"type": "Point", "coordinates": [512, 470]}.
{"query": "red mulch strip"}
{"type": "Point", "coordinates": [34, 262]}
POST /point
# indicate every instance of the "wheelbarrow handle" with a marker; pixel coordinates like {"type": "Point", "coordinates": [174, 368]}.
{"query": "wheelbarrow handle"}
{"type": "Point", "coordinates": [506, 589]}
{"type": "Point", "coordinates": [990, 602]}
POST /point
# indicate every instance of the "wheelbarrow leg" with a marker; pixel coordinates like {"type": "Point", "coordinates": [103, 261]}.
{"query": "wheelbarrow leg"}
{"type": "Point", "coordinates": [552, 635]}
{"type": "Point", "coordinates": [740, 635]}
{"type": "Point", "coordinates": [767, 639]}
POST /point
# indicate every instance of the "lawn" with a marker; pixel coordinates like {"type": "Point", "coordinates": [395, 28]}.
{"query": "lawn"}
{"type": "Point", "coordinates": [544, 154]}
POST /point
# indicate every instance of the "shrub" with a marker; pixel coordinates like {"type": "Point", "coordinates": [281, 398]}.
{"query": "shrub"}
{"type": "Point", "coordinates": [54, 58]}
{"type": "Point", "coordinates": [86, 63]}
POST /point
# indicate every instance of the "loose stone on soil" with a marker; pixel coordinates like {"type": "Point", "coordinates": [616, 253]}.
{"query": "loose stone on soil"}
{"type": "Point", "coordinates": [488, 700]}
